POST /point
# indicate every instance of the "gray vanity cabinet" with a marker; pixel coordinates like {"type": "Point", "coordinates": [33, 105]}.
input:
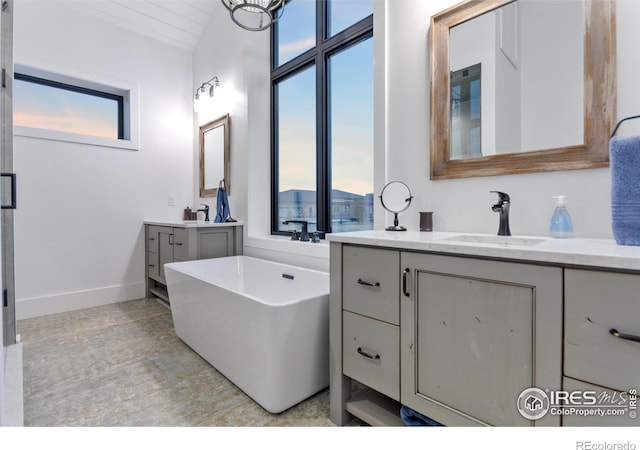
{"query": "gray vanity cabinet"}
{"type": "Point", "coordinates": [475, 334]}
{"type": "Point", "coordinates": [455, 338]}
{"type": "Point", "coordinates": [594, 357]}
{"type": "Point", "coordinates": [166, 244]}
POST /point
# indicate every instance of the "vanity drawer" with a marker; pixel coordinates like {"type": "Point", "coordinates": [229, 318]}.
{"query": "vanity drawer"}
{"type": "Point", "coordinates": [153, 263]}
{"type": "Point", "coordinates": [370, 352]}
{"type": "Point", "coordinates": [609, 399]}
{"type": "Point", "coordinates": [371, 282]}
{"type": "Point", "coordinates": [180, 247]}
{"type": "Point", "coordinates": [595, 303]}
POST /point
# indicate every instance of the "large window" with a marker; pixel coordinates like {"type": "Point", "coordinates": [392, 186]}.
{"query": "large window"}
{"type": "Point", "coordinates": [322, 113]}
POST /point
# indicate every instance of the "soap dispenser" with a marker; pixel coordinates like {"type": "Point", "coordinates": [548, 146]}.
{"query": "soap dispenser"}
{"type": "Point", "coordinates": [561, 226]}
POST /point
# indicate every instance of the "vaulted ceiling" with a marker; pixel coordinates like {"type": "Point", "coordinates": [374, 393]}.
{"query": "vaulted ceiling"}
{"type": "Point", "coordinates": [176, 22]}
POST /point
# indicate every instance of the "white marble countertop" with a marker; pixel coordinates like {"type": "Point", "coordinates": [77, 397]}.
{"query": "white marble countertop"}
{"type": "Point", "coordinates": [602, 253]}
{"type": "Point", "coordinates": [191, 223]}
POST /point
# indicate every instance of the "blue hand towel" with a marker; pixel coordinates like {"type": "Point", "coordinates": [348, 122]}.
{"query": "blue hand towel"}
{"type": "Point", "coordinates": [624, 153]}
{"type": "Point", "coordinates": [222, 206]}
{"type": "Point", "coordinates": [413, 418]}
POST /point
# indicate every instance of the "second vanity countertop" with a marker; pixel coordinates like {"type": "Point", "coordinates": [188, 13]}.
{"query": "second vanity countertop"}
{"type": "Point", "coordinates": [601, 253]}
{"type": "Point", "coordinates": [191, 223]}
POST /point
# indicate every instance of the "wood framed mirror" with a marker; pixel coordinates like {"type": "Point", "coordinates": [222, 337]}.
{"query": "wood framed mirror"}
{"type": "Point", "coordinates": [214, 156]}
{"type": "Point", "coordinates": [596, 115]}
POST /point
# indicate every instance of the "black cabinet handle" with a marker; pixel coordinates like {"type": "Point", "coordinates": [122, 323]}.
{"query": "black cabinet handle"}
{"type": "Point", "coordinates": [404, 281]}
{"type": "Point", "coordinates": [626, 337]}
{"type": "Point", "coordinates": [12, 177]}
{"type": "Point", "coordinates": [178, 244]}
{"type": "Point", "coordinates": [367, 355]}
{"type": "Point", "coordinates": [367, 283]}
{"type": "Point", "coordinates": [152, 265]}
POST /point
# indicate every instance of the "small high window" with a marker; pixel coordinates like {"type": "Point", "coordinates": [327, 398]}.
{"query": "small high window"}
{"type": "Point", "coordinates": [47, 105]}
{"type": "Point", "coordinates": [42, 103]}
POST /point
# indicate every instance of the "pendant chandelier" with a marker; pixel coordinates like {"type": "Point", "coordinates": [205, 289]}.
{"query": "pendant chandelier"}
{"type": "Point", "coordinates": [254, 15]}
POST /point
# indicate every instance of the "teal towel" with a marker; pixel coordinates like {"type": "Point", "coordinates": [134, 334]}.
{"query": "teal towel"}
{"type": "Point", "coordinates": [624, 153]}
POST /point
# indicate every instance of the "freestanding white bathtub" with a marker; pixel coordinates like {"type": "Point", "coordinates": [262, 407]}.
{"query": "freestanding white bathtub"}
{"type": "Point", "coordinates": [263, 325]}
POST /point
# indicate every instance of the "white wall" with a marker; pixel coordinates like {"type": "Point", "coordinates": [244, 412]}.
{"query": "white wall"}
{"type": "Point", "coordinates": [79, 233]}
{"type": "Point", "coordinates": [464, 205]}
{"type": "Point", "coordinates": [402, 137]}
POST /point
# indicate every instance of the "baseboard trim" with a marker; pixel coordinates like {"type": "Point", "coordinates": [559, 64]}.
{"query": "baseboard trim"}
{"type": "Point", "coordinates": [27, 308]}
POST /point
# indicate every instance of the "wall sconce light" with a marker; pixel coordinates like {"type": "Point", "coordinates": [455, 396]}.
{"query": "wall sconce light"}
{"type": "Point", "coordinates": [207, 86]}
{"type": "Point", "coordinates": [255, 15]}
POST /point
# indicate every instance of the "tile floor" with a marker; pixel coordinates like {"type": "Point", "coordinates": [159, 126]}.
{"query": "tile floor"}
{"type": "Point", "coordinates": [123, 365]}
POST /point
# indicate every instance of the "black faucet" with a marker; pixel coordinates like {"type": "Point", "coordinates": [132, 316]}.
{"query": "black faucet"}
{"type": "Point", "coordinates": [304, 235]}
{"type": "Point", "coordinates": [503, 208]}
{"type": "Point", "coordinates": [205, 210]}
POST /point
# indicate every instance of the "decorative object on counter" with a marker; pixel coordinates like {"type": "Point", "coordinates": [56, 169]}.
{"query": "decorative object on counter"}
{"type": "Point", "coordinates": [223, 213]}
{"type": "Point", "coordinates": [255, 15]}
{"type": "Point", "coordinates": [502, 207]}
{"type": "Point", "coordinates": [624, 154]}
{"type": "Point", "coordinates": [426, 221]}
{"type": "Point", "coordinates": [561, 225]}
{"type": "Point", "coordinates": [395, 198]}
{"type": "Point", "coordinates": [187, 214]}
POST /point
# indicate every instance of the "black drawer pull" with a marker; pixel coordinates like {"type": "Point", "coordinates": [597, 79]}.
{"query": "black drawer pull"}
{"type": "Point", "coordinates": [367, 283]}
{"type": "Point", "coordinates": [152, 265]}
{"type": "Point", "coordinates": [179, 244]}
{"type": "Point", "coordinates": [626, 337]}
{"type": "Point", "coordinates": [404, 282]}
{"type": "Point", "coordinates": [367, 355]}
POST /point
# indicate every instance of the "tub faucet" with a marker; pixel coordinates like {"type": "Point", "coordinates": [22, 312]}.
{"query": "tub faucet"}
{"type": "Point", "coordinates": [503, 208]}
{"type": "Point", "coordinates": [205, 210]}
{"type": "Point", "coordinates": [304, 235]}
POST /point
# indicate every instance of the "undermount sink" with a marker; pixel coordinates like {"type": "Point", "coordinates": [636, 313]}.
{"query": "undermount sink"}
{"type": "Point", "coordinates": [497, 240]}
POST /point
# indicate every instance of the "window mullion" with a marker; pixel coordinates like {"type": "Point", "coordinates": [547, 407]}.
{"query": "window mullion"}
{"type": "Point", "coordinates": [323, 183]}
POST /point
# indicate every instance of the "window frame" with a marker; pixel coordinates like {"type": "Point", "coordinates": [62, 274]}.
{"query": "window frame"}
{"type": "Point", "coordinates": [318, 56]}
{"type": "Point", "coordinates": [129, 91]}
{"type": "Point", "coordinates": [19, 76]}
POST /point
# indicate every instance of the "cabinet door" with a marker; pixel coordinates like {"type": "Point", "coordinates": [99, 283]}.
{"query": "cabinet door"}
{"type": "Point", "coordinates": [475, 334]}
{"type": "Point", "coordinates": [165, 249]}
{"type": "Point", "coordinates": [180, 244]}
{"type": "Point", "coordinates": [215, 243]}
{"type": "Point", "coordinates": [153, 265]}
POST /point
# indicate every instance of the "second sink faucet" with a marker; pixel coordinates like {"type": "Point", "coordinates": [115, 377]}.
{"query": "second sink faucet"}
{"type": "Point", "coordinates": [205, 210]}
{"type": "Point", "coordinates": [502, 207]}
{"type": "Point", "coordinates": [304, 235]}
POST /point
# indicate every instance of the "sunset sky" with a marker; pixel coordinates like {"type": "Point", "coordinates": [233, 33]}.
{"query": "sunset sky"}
{"type": "Point", "coordinates": [351, 102]}
{"type": "Point", "coordinates": [50, 108]}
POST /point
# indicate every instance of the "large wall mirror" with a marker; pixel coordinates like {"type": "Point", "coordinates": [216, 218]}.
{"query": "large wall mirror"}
{"type": "Point", "coordinates": [522, 86]}
{"type": "Point", "coordinates": [214, 156]}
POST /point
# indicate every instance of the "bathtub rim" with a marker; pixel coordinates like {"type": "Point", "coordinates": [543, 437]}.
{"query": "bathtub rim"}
{"type": "Point", "coordinates": [178, 267]}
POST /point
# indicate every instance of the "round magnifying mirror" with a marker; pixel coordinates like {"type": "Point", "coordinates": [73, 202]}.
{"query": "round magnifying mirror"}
{"type": "Point", "coordinates": [395, 198]}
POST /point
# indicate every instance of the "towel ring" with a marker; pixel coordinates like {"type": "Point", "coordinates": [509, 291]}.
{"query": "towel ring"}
{"type": "Point", "coordinates": [620, 123]}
